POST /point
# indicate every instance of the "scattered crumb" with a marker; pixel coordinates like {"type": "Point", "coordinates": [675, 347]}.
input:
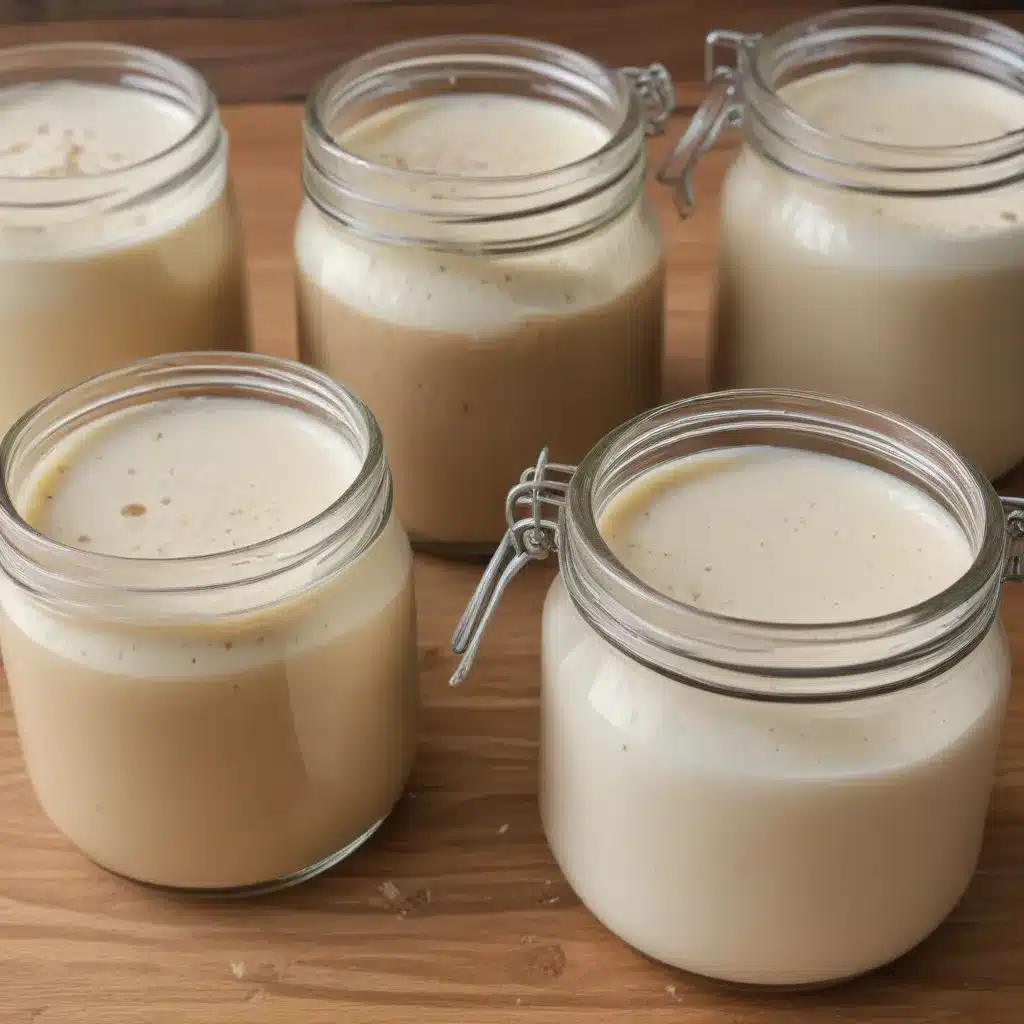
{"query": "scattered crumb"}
{"type": "Point", "coordinates": [238, 970]}
{"type": "Point", "coordinates": [519, 1000]}
{"type": "Point", "coordinates": [405, 905]}
{"type": "Point", "coordinates": [527, 940]}
{"type": "Point", "coordinates": [671, 990]}
{"type": "Point", "coordinates": [551, 900]}
{"type": "Point", "coordinates": [390, 891]}
{"type": "Point", "coordinates": [503, 829]}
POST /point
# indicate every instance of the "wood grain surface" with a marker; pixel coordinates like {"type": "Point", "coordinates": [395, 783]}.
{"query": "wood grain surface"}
{"type": "Point", "coordinates": [455, 912]}
{"type": "Point", "coordinates": [275, 50]}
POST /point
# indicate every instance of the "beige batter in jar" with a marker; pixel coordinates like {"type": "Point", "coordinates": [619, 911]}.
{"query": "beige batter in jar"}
{"type": "Point", "coordinates": [474, 345]}
{"type": "Point", "coordinates": [218, 691]}
{"type": "Point", "coordinates": [119, 236]}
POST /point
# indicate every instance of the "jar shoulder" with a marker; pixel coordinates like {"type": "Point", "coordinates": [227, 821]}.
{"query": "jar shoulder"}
{"type": "Point", "coordinates": [590, 686]}
{"type": "Point", "coordinates": [767, 208]}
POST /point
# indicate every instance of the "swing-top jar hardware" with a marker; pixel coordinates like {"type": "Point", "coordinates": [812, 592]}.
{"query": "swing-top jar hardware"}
{"type": "Point", "coordinates": [745, 73]}
{"type": "Point", "coordinates": [543, 490]}
{"type": "Point", "coordinates": [720, 109]}
{"type": "Point", "coordinates": [762, 797]}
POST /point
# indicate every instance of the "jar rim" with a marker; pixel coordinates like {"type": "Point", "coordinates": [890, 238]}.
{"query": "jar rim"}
{"type": "Point", "coordinates": [124, 66]}
{"type": "Point", "coordinates": [360, 192]}
{"type": "Point", "coordinates": [53, 570]}
{"type": "Point", "coordinates": [755, 659]}
{"type": "Point", "coordinates": [934, 36]}
{"type": "Point", "coordinates": [393, 55]}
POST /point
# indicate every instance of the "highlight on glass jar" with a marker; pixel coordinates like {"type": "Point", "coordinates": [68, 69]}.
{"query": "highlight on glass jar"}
{"type": "Point", "coordinates": [208, 620]}
{"type": "Point", "coordinates": [773, 679]}
{"type": "Point", "coordinates": [119, 238]}
{"type": "Point", "coordinates": [872, 227]}
{"type": "Point", "coordinates": [476, 259]}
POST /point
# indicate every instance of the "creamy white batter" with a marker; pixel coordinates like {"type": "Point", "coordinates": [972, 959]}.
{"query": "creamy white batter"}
{"type": "Point", "coordinates": [67, 129]}
{"type": "Point", "coordinates": [474, 136]}
{"type": "Point", "coordinates": [191, 476]}
{"type": "Point", "coordinates": [781, 535]}
{"type": "Point", "coordinates": [919, 106]}
{"type": "Point", "coordinates": [109, 250]}
{"type": "Point", "coordinates": [199, 476]}
{"type": "Point", "coordinates": [907, 303]}
{"type": "Point", "coordinates": [769, 843]}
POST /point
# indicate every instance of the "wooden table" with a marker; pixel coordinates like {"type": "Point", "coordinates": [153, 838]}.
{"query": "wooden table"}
{"type": "Point", "coordinates": [455, 912]}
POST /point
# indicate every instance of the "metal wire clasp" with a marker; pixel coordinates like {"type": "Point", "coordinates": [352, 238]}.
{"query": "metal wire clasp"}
{"type": "Point", "coordinates": [1014, 509]}
{"type": "Point", "coordinates": [720, 107]}
{"type": "Point", "coordinates": [653, 85]}
{"type": "Point", "coordinates": [528, 539]}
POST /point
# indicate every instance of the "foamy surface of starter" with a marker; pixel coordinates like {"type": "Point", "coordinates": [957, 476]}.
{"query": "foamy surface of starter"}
{"type": "Point", "coordinates": [70, 129]}
{"type": "Point", "coordinates": [783, 535]}
{"type": "Point", "coordinates": [918, 105]}
{"type": "Point", "coordinates": [478, 135]}
{"type": "Point", "coordinates": [187, 477]}
{"type": "Point", "coordinates": [475, 136]}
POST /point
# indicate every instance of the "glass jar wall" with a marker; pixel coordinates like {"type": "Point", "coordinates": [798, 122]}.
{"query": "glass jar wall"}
{"type": "Point", "coordinates": [476, 260]}
{"type": "Point", "coordinates": [872, 227]}
{"type": "Point", "coordinates": [773, 681]}
{"type": "Point", "coordinates": [120, 236]}
{"type": "Point", "coordinates": [208, 623]}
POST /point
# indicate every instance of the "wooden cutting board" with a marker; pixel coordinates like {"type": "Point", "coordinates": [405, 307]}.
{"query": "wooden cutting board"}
{"type": "Point", "coordinates": [455, 912]}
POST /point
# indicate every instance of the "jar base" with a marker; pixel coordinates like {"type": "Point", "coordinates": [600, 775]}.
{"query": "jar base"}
{"type": "Point", "coordinates": [258, 888]}
{"type": "Point", "coordinates": [755, 988]}
{"type": "Point", "coordinates": [752, 988]}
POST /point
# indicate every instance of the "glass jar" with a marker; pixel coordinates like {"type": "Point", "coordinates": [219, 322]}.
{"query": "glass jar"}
{"type": "Point", "coordinates": [477, 261]}
{"type": "Point", "coordinates": [762, 803]}
{"type": "Point", "coordinates": [119, 236]}
{"type": "Point", "coordinates": [232, 722]}
{"type": "Point", "coordinates": [872, 226]}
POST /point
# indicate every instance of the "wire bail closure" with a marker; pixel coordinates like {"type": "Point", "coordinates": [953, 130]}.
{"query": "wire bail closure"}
{"type": "Point", "coordinates": [719, 109]}
{"type": "Point", "coordinates": [528, 539]}
{"type": "Point", "coordinates": [1014, 509]}
{"type": "Point", "coordinates": [657, 95]}
{"type": "Point", "coordinates": [533, 537]}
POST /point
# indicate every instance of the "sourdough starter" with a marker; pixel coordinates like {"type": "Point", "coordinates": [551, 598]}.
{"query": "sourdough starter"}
{"type": "Point", "coordinates": [85, 289]}
{"type": "Point", "coordinates": [909, 304]}
{"type": "Point", "coordinates": [768, 843]}
{"type": "Point", "coordinates": [473, 362]}
{"type": "Point", "coordinates": [221, 752]}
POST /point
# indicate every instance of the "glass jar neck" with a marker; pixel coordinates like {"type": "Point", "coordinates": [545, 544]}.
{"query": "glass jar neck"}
{"type": "Point", "coordinates": [64, 201]}
{"type": "Point", "coordinates": [766, 660]}
{"type": "Point", "coordinates": [208, 585]}
{"type": "Point", "coordinates": [464, 213]}
{"type": "Point", "coordinates": [871, 35]}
